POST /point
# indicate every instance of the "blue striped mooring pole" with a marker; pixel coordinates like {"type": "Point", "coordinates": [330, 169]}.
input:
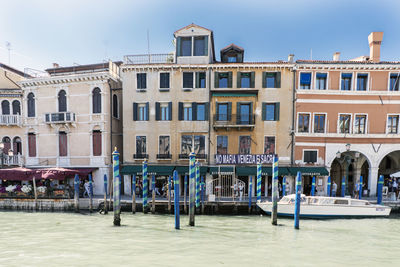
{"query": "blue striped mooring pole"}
{"type": "Point", "coordinates": [380, 188]}
{"type": "Point", "coordinates": [328, 189]}
{"type": "Point", "coordinates": [134, 193]}
{"type": "Point", "coordinates": [117, 188]}
{"type": "Point", "coordinates": [274, 211]}
{"type": "Point", "coordinates": [313, 186]}
{"type": "Point", "coordinates": [197, 184]}
{"type": "Point", "coordinates": [90, 193]}
{"type": "Point", "coordinates": [145, 186]}
{"type": "Point", "coordinates": [284, 186]}
{"type": "Point", "coordinates": [258, 182]}
{"type": "Point", "coordinates": [250, 191]}
{"type": "Point", "coordinates": [105, 193]}
{"type": "Point", "coordinates": [360, 188]}
{"type": "Point", "coordinates": [192, 189]}
{"type": "Point", "coordinates": [297, 202]}
{"type": "Point", "coordinates": [76, 196]}
{"type": "Point", "coordinates": [176, 200]}
{"type": "Point", "coordinates": [343, 189]}
{"type": "Point", "coordinates": [202, 193]}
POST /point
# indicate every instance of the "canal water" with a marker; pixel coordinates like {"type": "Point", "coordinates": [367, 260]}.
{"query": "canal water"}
{"type": "Point", "coordinates": [68, 239]}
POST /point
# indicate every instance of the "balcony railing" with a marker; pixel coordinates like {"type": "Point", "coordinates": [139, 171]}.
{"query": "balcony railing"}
{"type": "Point", "coordinates": [10, 119]}
{"type": "Point", "coordinates": [234, 120]}
{"type": "Point", "coordinates": [140, 156]}
{"type": "Point", "coordinates": [15, 160]}
{"type": "Point", "coordinates": [198, 156]}
{"type": "Point", "coordinates": [149, 58]}
{"type": "Point", "coordinates": [164, 156]}
{"type": "Point", "coordinates": [60, 117]}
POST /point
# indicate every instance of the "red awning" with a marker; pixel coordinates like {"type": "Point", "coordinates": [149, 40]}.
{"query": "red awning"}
{"type": "Point", "coordinates": [16, 174]}
{"type": "Point", "coordinates": [23, 174]}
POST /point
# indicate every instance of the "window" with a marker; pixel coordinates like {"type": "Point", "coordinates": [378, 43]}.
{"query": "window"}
{"type": "Point", "coordinates": [201, 45]}
{"type": "Point", "coordinates": [141, 111]}
{"type": "Point", "coordinates": [185, 46]}
{"type": "Point", "coordinates": [62, 101]}
{"type": "Point", "coordinates": [163, 111]}
{"type": "Point", "coordinates": [224, 111]}
{"type": "Point", "coordinates": [62, 144]}
{"type": "Point", "coordinates": [96, 143]}
{"type": "Point", "coordinates": [362, 80]}
{"type": "Point", "coordinates": [200, 80]}
{"type": "Point", "coordinates": [244, 113]}
{"type": "Point", "coordinates": [17, 146]}
{"type": "Point", "coordinates": [303, 123]}
{"type": "Point", "coordinates": [271, 80]}
{"type": "Point", "coordinates": [31, 145]}
{"type": "Point", "coordinates": [201, 112]}
{"type": "Point", "coordinates": [359, 124]}
{"type": "Point", "coordinates": [5, 107]}
{"type": "Point", "coordinates": [96, 100]}
{"type": "Point", "coordinates": [186, 144]}
{"type": "Point", "coordinates": [222, 145]}
{"type": "Point", "coordinates": [305, 80]}
{"type": "Point", "coordinates": [223, 80]}
{"type": "Point", "coordinates": [269, 145]}
{"type": "Point", "coordinates": [319, 123]}
{"type": "Point", "coordinates": [188, 80]}
{"type": "Point", "coordinates": [141, 80]}
{"type": "Point", "coordinates": [346, 81]}
{"type": "Point", "coordinates": [115, 106]}
{"type": "Point", "coordinates": [199, 144]}
{"type": "Point", "coordinates": [321, 81]}
{"type": "Point", "coordinates": [164, 80]}
{"type": "Point", "coordinates": [244, 145]}
{"type": "Point", "coordinates": [31, 105]}
{"type": "Point", "coordinates": [344, 123]}
{"type": "Point", "coordinates": [394, 82]}
{"type": "Point", "coordinates": [163, 146]}
{"type": "Point", "coordinates": [195, 142]}
{"type": "Point", "coordinates": [232, 59]}
{"type": "Point", "coordinates": [193, 111]}
{"type": "Point", "coordinates": [16, 106]}
{"type": "Point", "coordinates": [245, 79]}
{"type": "Point", "coordinates": [7, 144]}
{"type": "Point", "coordinates": [270, 111]}
{"type": "Point", "coordinates": [310, 156]}
{"type": "Point", "coordinates": [393, 124]}
{"type": "Point", "coordinates": [187, 112]}
{"type": "Point", "coordinates": [141, 145]}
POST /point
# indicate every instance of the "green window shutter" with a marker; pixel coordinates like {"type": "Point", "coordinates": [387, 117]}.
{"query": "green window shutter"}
{"type": "Point", "coordinates": [194, 111]}
{"type": "Point", "coordinates": [277, 107]}
{"type": "Point", "coordinates": [278, 80]}
{"type": "Point", "coordinates": [252, 79]}
{"type": "Point", "coordinates": [180, 111]}
{"type": "Point", "coordinates": [206, 46]}
{"type": "Point", "coordinates": [207, 111]}
{"type": "Point", "coordinates": [135, 107]}
{"type": "Point", "coordinates": [178, 46]}
{"type": "Point", "coordinates": [147, 111]}
{"type": "Point", "coordinates": [264, 113]}
{"type": "Point", "coordinates": [230, 79]}
{"type": "Point", "coordinates": [251, 113]}
{"type": "Point", "coordinates": [237, 112]}
{"type": "Point", "coordinates": [197, 82]}
{"type": "Point", "coordinates": [239, 57]}
{"type": "Point", "coordinates": [239, 80]}
{"type": "Point", "coordinates": [170, 111]}
{"type": "Point", "coordinates": [264, 80]}
{"type": "Point", "coordinates": [216, 79]}
{"type": "Point", "coordinates": [158, 117]}
{"type": "Point", "coordinates": [229, 111]}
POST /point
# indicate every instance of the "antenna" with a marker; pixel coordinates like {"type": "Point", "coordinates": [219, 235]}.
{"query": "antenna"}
{"type": "Point", "coordinates": [8, 45]}
{"type": "Point", "coordinates": [148, 42]}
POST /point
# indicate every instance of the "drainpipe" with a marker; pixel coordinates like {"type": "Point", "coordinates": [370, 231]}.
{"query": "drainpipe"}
{"type": "Point", "coordinates": [293, 116]}
{"type": "Point", "coordinates": [209, 116]}
{"type": "Point", "coordinates": [111, 120]}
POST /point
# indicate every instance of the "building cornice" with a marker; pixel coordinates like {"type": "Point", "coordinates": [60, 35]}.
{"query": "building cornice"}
{"type": "Point", "coordinates": [348, 67]}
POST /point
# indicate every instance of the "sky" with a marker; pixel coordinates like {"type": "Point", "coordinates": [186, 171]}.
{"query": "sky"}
{"type": "Point", "coordinates": [70, 32]}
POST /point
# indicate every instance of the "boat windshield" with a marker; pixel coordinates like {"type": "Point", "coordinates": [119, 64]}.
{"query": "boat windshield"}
{"type": "Point", "coordinates": [341, 202]}
{"type": "Point", "coordinates": [292, 199]}
{"type": "Point", "coordinates": [326, 201]}
{"type": "Point", "coordinates": [355, 202]}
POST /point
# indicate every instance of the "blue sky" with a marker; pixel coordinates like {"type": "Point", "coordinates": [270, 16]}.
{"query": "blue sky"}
{"type": "Point", "coordinates": [89, 31]}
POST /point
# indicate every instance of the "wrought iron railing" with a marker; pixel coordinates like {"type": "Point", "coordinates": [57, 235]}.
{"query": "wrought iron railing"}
{"type": "Point", "coordinates": [140, 156]}
{"type": "Point", "coordinates": [234, 119]}
{"type": "Point", "coordinates": [164, 156]}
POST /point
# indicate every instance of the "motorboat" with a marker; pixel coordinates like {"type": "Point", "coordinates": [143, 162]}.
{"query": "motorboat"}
{"type": "Point", "coordinates": [326, 207]}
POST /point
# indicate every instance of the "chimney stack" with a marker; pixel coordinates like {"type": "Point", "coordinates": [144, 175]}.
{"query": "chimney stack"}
{"type": "Point", "coordinates": [290, 58]}
{"type": "Point", "coordinates": [336, 56]}
{"type": "Point", "coordinates": [55, 65]}
{"type": "Point", "coordinates": [375, 40]}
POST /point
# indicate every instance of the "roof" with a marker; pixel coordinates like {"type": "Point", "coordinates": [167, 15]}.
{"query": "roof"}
{"type": "Point", "coordinates": [231, 46]}
{"type": "Point", "coordinates": [302, 61]}
{"type": "Point", "coordinates": [81, 68]}
{"type": "Point", "coordinates": [192, 25]}
{"type": "Point", "coordinates": [4, 66]}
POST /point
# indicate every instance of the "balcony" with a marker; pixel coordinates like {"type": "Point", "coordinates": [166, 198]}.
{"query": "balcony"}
{"type": "Point", "coordinates": [164, 156]}
{"type": "Point", "coordinates": [234, 121]}
{"type": "Point", "coordinates": [198, 156]}
{"type": "Point", "coordinates": [14, 160]}
{"type": "Point", "coordinates": [10, 120]}
{"type": "Point", "coordinates": [140, 156]}
{"type": "Point", "coordinates": [60, 117]}
{"type": "Point", "coordinates": [149, 59]}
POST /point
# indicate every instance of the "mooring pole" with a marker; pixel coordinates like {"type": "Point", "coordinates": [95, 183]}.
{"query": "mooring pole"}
{"type": "Point", "coordinates": [259, 183]}
{"type": "Point", "coordinates": [343, 192]}
{"type": "Point", "coordinates": [202, 188]}
{"type": "Point", "coordinates": [133, 194]}
{"type": "Point", "coordinates": [274, 211]}
{"type": "Point", "coordinates": [250, 192]}
{"type": "Point", "coordinates": [185, 194]}
{"type": "Point", "coordinates": [380, 187]}
{"type": "Point", "coordinates": [35, 192]}
{"type": "Point", "coordinates": [169, 194]}
{"type": "Point", "coordinates": [197, 185]}
{"type": "Point", "coordinates": [145, 186]}
{"type": "Point", "coordinates": [117, 188]}
{"type": "Point", "coordinates": [313, 186]}
{"type": "Point", "coordinates": [105, 194]}
{"type": "Point", "coordinates": [284, 186]}
{"type": "Point", "coordinates": [297, 202]}
{"type": "Point", "coordinates": [76, 197]}
{"type": "Point", "coordinates": [328, 189]}
{"type": "Point", "coordinates": [91, 193]}
{"type": "Point", "coordinates": [153, 194]}
{"type": "Point", "coordinates": [360, 188]}
{"type": "Point", "coordinates": [192, 167]}
{"type": "Point", "coordinates": [176, 199]}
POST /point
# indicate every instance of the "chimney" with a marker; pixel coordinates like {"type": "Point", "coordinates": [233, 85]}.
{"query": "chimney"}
{"type": "Point", "coordinates": [290, 58]}
{"type": "Point", "coordinates": [55, 65]}
{"type": "Point", "coordinates": [336, 56]}
{"type": "Point", "coordinates": [375, 40]}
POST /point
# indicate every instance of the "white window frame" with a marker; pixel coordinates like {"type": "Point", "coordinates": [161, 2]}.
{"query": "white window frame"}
{"type": "Point", "coordinates": [315, 80]}
{"type": "Point", "coordinates": [368, 81]}
{"type": "Point", "coordinates": [311, 82]}
{"type": "Point", "coordinates": [387, 122]}
{"type": "Point", "coordinates": [138, 111]}
{"type": "Point", "coordinates": [159, 81]}
{"type": "Point", "coordinates": [307, 149]}
{"type": "Point", "coordinates": [141, 89]}
{"type": "Point", "coordinates": [388, 81]}
{"type": "Point", "coordinates": [274, 142]}
{"type": "Point", "coordinates": [164, 104]}
{"type": "Point", "coordinates": [66, 99]}
{"type": "Point", "coordinates": [350, 123]}
{"type": "Point", "coordinates": [352, 80]}
{"type": "Point", "coordinates": [366, 122]}
{"type": "Point", "coordinates": [325, 123]}
{"type": "Point", "coordinates": [309, 123]}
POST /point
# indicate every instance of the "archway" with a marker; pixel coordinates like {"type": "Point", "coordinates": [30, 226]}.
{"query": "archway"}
{"type": "Point", "coordinates": [390, 164]}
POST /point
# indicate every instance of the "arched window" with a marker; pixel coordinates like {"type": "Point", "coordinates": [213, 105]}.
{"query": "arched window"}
{"type": "Point", "coordinates": [17, 145]}
{"type": "Point", "coordinates": [5, 107]}
{"type": "Point", "coordinates": [62, 101]}
{"type": "Point", "coordinates": [7, 144]}
{"type": "Point", "coordinates": [31, 105]}
{"type": "Point", "coordinates": [96, 98]}
{"type": "Point", "coordinates": [16, 106]}
{"type": "Point", "coordinates": [115, 106]}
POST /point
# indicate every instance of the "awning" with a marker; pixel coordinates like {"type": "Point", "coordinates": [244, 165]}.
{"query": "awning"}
{"type": "Point", "coordinates": [24, 174]}
{"type": "Point", "coordinates": [317, 171]}
{"type": "Point", "coordinates": [184, 170]}
{"type": "Point", "coordinates": [281, 171]}
{"type": "Point", "coordinates": [151, 170]}
{"type": "Point", "coordinates": [222, 169]}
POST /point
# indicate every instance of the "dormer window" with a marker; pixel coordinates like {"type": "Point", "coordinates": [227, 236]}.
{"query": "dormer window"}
{"type": "Point", "coordinates": [232, 59]}
{"type": "Point", "coordinates": [186, 46]}
{"type": "Point", "coordinates": [192, 46]}
{"type": "Point", "coordinates": [232, 54]}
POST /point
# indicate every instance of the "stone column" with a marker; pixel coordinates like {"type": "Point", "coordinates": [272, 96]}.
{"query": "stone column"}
{"type": "Point", "coordinates": [373, 180]}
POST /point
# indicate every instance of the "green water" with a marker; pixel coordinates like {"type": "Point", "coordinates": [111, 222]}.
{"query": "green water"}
{"type": "Point", "coordinates": [67, 239]}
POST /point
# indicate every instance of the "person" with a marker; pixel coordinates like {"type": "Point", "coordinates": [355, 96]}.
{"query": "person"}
{"type": "Point", "coordinates": [356, 187]}
{"type": "Point", "coordinates": [157, 189]}
{"type": "Point", "coordinates": [86, 186]}
{"type": "Point", "coordinates": [241, 187]}
{"type": "Point", "coordinates": [334, 188]}
{"type": "Point", "coordinates": [235, 189]}
{"type": "Point", "coordinates": [395, 186]}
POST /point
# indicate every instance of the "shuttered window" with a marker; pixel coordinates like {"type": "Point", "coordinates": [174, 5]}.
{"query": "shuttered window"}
{"type": "Point", "coordinates": [96, 100]}
{"type": "Point", "coordinates": [5, 107]}
{"type": "Point", "coordinates": [270, 111]}
{"type": "Point", "coordinates": [96, 143]}
{"type": "Point", "coordinates": [200, 80]}
{"type": "Point", "coordinates": [31, 105]}
{"type": "Point", "coordinates": [271, 80]}
{"type": "Point", "coordinates": [188, 80]}
{"type": "Point", "coordinates": [310, 156]}
{"type": "Point", "coordinates": [62, 101]}
{"type": "Point", "coordinates": [141, 80]}
{"type": "Point", "coordinates": [245, 79]}
{"type": "Point", "coordinates": [223, 79]}
{"type": "Point", "coordinates": [62, 144]}
{"type": "Point", "coordinates": [31, 145]}
{"type": "Point", "coordinates": [164, 80]}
